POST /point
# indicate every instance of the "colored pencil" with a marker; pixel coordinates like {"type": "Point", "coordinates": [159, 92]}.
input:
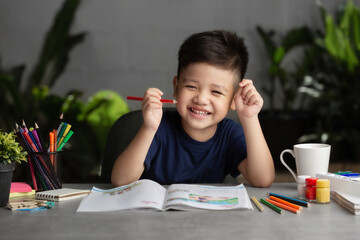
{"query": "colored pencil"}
{"type": "Point", "coordinates": [161, 100]}
{"type": "Point", "coordinates": [272, 206]}
{"type": "Point", "coordinates": [292, 200]}
{"type": "Point", "coordinates": [283, 206]}
{"type": "Point", "coordinates": [40, 137]}
{"type": "Point", "coordinates": [286, 203]}
{"type": "Point", "coordinates": [257, 204]}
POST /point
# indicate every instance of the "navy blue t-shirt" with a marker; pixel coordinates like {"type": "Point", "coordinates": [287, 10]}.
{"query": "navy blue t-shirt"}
{"type": "Point", "coordinates": [174, 157]}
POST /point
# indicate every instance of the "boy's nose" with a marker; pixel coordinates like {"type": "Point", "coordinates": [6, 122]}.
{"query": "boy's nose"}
{"type": "Point", "coordinates": [202, 98]}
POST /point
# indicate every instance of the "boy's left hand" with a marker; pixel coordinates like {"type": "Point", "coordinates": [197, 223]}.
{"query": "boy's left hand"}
{"type": "Point", "coordinates": [248, 101]}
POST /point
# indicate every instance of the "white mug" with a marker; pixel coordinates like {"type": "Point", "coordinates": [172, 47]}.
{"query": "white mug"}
{"type": "Point", "coordinates": [310, 158]}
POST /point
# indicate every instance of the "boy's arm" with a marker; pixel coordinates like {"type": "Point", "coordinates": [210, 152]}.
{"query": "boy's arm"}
{"type": "Point", "coordinates": [129, 166]}
{"type": "Point", "coordinates": [258, 167]}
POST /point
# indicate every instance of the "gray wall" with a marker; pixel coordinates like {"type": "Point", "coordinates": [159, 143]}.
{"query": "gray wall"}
{"type": "Point", "coordinates": [132, 44]}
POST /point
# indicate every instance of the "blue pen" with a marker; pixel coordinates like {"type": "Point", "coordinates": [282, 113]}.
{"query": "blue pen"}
{"type": "Point", "coordinates": [292, 200]}
{"type": "Point", "coordinates": [351, 175]}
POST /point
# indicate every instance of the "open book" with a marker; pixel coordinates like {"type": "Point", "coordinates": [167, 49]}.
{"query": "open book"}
{"type": "Point", "coordinates": [147, 194]}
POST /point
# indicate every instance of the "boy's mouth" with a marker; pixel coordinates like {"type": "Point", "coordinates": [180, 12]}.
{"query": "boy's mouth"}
{"type": "Point", "coordinates": [198, 112]}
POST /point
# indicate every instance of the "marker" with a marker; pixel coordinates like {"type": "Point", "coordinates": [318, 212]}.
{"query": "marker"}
{"type": "Point", "coordinates": [65, 140]}
{"type": "Point", "coordinates": [161, 100]}
{"type": "Point", "coordinates": [68, 126]}
{"type": "Point", "coordinates": [350, 175]}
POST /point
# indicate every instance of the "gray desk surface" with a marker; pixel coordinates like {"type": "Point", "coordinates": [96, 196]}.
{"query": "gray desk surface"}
{"type": "Point", "coordinates": [328, 221]}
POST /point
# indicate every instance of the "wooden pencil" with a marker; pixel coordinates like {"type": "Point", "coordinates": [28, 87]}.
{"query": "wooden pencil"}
{"type": "Point", "coordinates": [292, 200]}
{"type": "Point", "coordinates": [283, 206]}
{"type": "Point", "coordinates": [286, 203]}
{"type": "Point", "coordinates": [257, 204]}
{"type": "Point", "coordinates": [272, 206]}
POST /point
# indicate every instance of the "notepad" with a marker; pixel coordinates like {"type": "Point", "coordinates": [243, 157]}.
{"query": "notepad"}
{"type": "Point", "coordinates": [342, 184]}
{"type": "Point", "coordinates": [20, 189]}
{"type": "Point", "coordinates": [17, 187]}
{"type": "Point", "coordinates": [61, 194]}
{"type": "Point", "coordinates": [350, 203]}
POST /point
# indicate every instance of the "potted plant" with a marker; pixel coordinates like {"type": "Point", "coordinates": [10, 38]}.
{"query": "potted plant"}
{"type": "Point", "coordinates": [10, 153]}
{"type": "Point", "coordinates": [336, 82]}
{"type": "Point", "coordinates": [286, 119]}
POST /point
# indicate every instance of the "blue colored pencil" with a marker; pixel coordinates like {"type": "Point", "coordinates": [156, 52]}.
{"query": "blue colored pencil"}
{"type": "Point", "coordinates": [292, 200]}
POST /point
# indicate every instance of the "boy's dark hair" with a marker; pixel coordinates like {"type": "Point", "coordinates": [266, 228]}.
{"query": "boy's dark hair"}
{"type": "Point", "coordinates": [220, 48]}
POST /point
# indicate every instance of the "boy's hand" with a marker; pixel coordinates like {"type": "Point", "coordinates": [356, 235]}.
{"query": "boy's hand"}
{"type": "Point", "coordinates": [152, 108]}
{"type": "Point", "coordinates": [248, 101]}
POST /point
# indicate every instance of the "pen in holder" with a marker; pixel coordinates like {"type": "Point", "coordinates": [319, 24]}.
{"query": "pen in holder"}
{"type": "Point", "coordinates": [45, 168]}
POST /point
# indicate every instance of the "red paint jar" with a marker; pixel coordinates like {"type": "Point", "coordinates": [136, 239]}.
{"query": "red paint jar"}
{"type": "Point", "coordinates": [310, 189]}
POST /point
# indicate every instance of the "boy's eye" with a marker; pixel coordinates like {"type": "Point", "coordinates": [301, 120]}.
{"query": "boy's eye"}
{"type": "Point", "coordinates": [190, 87]}
{"type": "Point", "coordinates": [217, 92]}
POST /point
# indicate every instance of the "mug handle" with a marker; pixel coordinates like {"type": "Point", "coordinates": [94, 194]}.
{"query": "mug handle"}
{"type": "Point", "coordinates": [283, 161]}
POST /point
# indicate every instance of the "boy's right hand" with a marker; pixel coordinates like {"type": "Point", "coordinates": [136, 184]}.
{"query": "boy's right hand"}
{"type": "Point", "coordinates": [152, 108]}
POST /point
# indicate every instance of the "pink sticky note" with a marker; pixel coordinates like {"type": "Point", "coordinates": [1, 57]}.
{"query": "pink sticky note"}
{"type": "Point", "coordinates": [20, 187]}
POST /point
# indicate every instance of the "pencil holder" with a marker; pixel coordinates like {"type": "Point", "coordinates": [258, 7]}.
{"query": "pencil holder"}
{"type": "Point", "coordinates": [45, 168]}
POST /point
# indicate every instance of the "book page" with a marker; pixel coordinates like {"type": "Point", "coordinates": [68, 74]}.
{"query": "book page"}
{"type": "Point", "coordinates": [187, 196]}
{"type": "Point", "coordinates": [140, 194]}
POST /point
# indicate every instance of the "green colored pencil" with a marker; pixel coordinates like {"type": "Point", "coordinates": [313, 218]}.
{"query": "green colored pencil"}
{"type": "Point", "coordinates": [272, 206]}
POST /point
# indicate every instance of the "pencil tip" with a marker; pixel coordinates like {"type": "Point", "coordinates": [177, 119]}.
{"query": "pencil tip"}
{"type": "Point", "coordinates": [62, 116]}
{"type": "Point", "coordinates": [36, 126]}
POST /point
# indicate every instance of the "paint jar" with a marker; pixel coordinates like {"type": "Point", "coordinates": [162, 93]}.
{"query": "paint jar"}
{"type": "Point", "coordinates": [301, 186]}
{"type": "Point", "coordinates": [323, 191]}
{"type": "Point", "coordinates": [310, 189]}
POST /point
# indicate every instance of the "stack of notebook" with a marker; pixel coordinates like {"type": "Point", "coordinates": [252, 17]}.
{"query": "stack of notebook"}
{"type": "Point", "coordinates": [344, 190]}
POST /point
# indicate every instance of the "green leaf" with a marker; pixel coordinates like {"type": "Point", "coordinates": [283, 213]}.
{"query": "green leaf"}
{"type": "Point", "coordinates": [297, 37]}
{"type": "Point", "coordinates": [335, 41]}
{"type": "Point", "coordinates": [267, 40]}
{"type": "Point", "coordinates": [279, 54]}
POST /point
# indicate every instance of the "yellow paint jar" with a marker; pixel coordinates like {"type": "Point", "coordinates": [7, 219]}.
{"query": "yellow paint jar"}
{"type": "Point", "coordinates": [323, 191]}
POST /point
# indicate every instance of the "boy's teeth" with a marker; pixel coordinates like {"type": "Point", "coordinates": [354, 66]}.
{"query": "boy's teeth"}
{"type": "Point", "coordinates": [203, 113]}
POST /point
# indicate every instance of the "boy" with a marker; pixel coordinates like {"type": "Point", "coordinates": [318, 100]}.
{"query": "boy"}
{"type": "Point", "coordinates": [196, 143]}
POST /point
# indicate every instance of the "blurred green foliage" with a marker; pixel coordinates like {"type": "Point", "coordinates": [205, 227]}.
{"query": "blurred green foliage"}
{"type": "Point", "coordinates": [289, 79]}
{"type": "Point", "coordinates": [335, 79]}
{"type": "Point", "coordinates": [326, 73]}
{"type": "Point", "coordinates": [91, 120]}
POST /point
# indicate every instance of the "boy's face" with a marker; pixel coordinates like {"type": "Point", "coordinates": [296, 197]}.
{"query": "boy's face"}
{"type": "Point", "coordinates": [204, 95]}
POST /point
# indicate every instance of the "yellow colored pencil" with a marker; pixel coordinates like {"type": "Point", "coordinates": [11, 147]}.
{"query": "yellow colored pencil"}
{"type": "Point", "coordinates": [257, 204]}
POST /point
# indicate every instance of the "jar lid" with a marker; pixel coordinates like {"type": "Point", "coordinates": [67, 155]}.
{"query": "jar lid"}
{"type": "Point", "coordinates": [323, 183]}
{"type": "Point", "coordinates": [301, 178]}
{"type": "Point", "coordinates": [311, 181]}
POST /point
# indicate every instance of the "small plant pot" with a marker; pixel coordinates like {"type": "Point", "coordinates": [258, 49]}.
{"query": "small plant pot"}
{"type": "Point", "coordinates": [6, 172]}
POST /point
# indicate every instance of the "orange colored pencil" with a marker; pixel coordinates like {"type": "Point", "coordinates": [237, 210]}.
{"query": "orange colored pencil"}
{"type": "Point", "coordinates": [283, 206]}
{"type": "Point", "coordinates": [286, 203]}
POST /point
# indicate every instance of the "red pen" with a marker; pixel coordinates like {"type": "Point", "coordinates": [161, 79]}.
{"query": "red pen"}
{"type": "Point", "coordinates": [161, 100]}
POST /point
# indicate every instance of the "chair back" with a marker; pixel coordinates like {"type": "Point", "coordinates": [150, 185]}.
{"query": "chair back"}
{"type": "Point", "coordinates": [121, 134]}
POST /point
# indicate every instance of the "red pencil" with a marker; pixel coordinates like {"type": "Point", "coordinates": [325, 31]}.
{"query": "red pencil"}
{"type": "Point", "coordinates": [161, 100]}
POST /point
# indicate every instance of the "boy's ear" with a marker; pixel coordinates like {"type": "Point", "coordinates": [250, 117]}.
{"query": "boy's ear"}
{"type": "Point", "coordinates": [175, 84]}
{"type": "Point", "coordinates": [232, 104]}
